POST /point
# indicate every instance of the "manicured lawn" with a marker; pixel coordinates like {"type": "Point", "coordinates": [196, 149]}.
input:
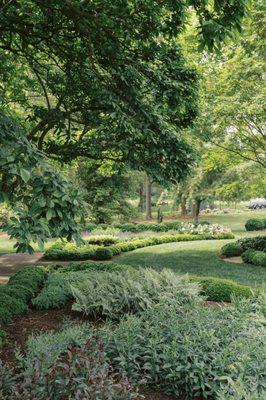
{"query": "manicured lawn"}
{"type": "Point", "coordinates": [235, 221]}
{"type": "Point", "coordinates": [196, 258]}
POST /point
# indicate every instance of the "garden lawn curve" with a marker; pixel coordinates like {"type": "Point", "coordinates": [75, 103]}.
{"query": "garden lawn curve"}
{"type": "Point", "coordinates": [195, 258]}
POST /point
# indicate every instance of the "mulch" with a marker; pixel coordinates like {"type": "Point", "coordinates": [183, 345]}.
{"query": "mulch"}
{"type": "Point", "coordinates": [36, 322]}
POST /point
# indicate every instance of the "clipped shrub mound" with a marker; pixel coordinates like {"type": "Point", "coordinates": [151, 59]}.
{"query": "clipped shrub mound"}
{"type": "Point", "coordinates": [255, 224]}
{"type": "Point", "coordinates": [231, 250]}
{"type": "Point", "coordinates": [254, 257]}
{"type": "Point", "coordinates": [20, 289]}
{"type": "Point", "coordinates": [255, 243]}
{"type": "Point", "coordinates": [103, 240]}
{"type": "Point", "coordinates": [252, 250]}
{"type": "Point", "coordinates": [69, 251]}
{"type": "Point", "coordinates": [215, 289]}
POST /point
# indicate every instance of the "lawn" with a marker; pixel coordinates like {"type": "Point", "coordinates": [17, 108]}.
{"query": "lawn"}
{"type": "Point", "coordinates": [196, 258]}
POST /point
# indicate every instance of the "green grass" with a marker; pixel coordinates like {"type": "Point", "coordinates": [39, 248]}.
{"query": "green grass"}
{"type": "Point", "coordinates": [235, 221]}
{"type": "Point", "coordinates": [195, 258]}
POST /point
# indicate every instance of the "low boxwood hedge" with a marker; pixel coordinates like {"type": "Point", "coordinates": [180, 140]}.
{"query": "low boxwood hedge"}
{"type": "Point", "coordinates": [231, 250]}
{"type": "Point", "coordinates": [215, 289]}
{"type": "Point", "coordinates": [20, 289]}
{"type": "Point", "coordinates": [255, 224]}
{"type": "Point", "coordinates": [68, 251]}
{"type": "Point", "coordinates": [254, 257]}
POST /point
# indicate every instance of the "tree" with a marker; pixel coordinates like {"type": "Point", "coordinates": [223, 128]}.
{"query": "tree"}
{"type": "Point", "coordinates": [103, 80]}
{"type": "Point", "coordinates": [233, 106]}
{"type": "Point", "coordinates": [108, 187]}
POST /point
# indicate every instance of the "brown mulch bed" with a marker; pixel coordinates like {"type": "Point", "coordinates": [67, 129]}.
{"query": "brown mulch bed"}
{"type": "Point", "coordinates": [39, 321]}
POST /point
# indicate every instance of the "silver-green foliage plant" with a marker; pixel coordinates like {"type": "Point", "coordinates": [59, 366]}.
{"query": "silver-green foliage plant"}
{"type": "Point", "coordinates": [194, 348]}
{"type": "Point", "coordinates": [112, 295]}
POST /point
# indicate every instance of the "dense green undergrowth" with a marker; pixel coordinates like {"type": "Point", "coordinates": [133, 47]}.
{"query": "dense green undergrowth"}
{"type": "Point", "coordinates": [69, 251]}
{"type": "Point", "coordinates": [205, 351]}
{"type": "Point", "coordinates": [64, 282]}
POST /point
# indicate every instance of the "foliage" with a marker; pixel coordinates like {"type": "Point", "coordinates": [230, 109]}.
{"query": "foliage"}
{"type": "Point", "coordinates": [255, 243]}
{"type": "Point", "coordinates": [108, 187]}
{"type": "Point", "coordinates": [233, 112]}
{"type": "Point", "coordinates": [231, 250]}
{"type": "Point", "coordinates": [197, 349]}
{"type": "Point", "coordinates": [255, 224]}
{"type": "Point", "coordinates": [69, 251]}
{"type": "Point", "coordinates": [254, 257]}
{"type": "Point", "coordinates": [57, 289]}
{"type": "Point", "coordinates": [79, 372]}
{"type": "Point", "coordinates": [31, 277]}
{"type": "Point", "coordinates": [102, 240]}
{"type": "Point", "coordinates": [44, 202]}
{"type": "Point", "coordinates": [131, 292]}
{"type": "Point", "coordinates": [2, 342]}
{"type": "Point", "coordinates": [215, 289]}
{"type": "Point", "coordinates": [5, 215]}
{"type": "Point", "coordinates": [20, 289]}
{"type": "Point", "coordinates": [103, 253]}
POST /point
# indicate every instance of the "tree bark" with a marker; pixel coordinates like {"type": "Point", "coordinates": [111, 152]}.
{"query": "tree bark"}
{"type": "Point", "coordinates": [196, 211]}
{"type": "Point", "coordinates": [148, 197]}
{"type": "Point", "coordinates": [183, 206]}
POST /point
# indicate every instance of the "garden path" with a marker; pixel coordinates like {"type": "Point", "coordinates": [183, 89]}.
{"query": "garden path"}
{"type": "Point", "coordinates": [12, 262]}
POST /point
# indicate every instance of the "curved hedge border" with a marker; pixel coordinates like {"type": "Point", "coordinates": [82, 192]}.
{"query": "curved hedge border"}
{"type": "Point", "coordinates": [255, 224]}
{"type": "Point", "coordinates": [62, 251]}
{"type": "Point", "coordinates": [18, 292]}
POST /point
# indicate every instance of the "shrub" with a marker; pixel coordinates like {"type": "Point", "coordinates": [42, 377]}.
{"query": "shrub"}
{"type": "Point", "coordinates": [215, 289]}
{"type": "Point", "coordinates": [231, 250]}
{"type": "Point", "coordinates": [254, 257]}
{"type": "Point", "coordinates": [255, 224]}
{"type": "Point", "coordinates": [57, 290]}
{"type": "Point", "coordinates": [88, 266]}
{"type": "Point", "coordinates": [103, 240]}
{"type": "Point", "coordinates": [113, 295]}
{"type": "Point", "coordinates": [80, 373]}
{"type": "Point", "coordinates": [201, 350]}
{"type": "Point", "coordinates": [2, 342]}
{"type": "Point", "coordinates": [102, 254]}
{"type": "Point", "coordinates": [193, 349]}
{"type": "Point", "coordinates": [10, 306]}
{"type": "Point", "coordinates": [69, 251]}
{"type": "Point", "coordinates": [19, 290]}
{"type": "Point", "coordinates": [31, 277]}
{"type": "Point", "coordinates": [256, 243]}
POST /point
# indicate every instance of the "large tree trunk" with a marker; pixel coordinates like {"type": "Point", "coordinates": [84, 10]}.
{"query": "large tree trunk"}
{"type": "Point", "coordinates": [196, 211]}
{"type": "Point", "coordinates": [183, 206]}
{"type": "Point", "coordinates": [142, 198]}
{"type": "Point", "coordinates": [148, 197]}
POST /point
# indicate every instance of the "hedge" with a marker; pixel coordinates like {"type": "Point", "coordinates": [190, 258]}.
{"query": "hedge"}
{"type": "Point", "coordinates": [63, 251]}
{"type": "Point", "coordinates": [215, 289]}
{"type": "Point", "coordinates": [136, 227]}
{"type": "Point", "coordinates": [231, 250]}
{"type": "Point", "coordinates": [254, 257]}
{"type": "Point", "coordinates": [255, 224]}
{"type": "Point", "coordinates": [20, 289]}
